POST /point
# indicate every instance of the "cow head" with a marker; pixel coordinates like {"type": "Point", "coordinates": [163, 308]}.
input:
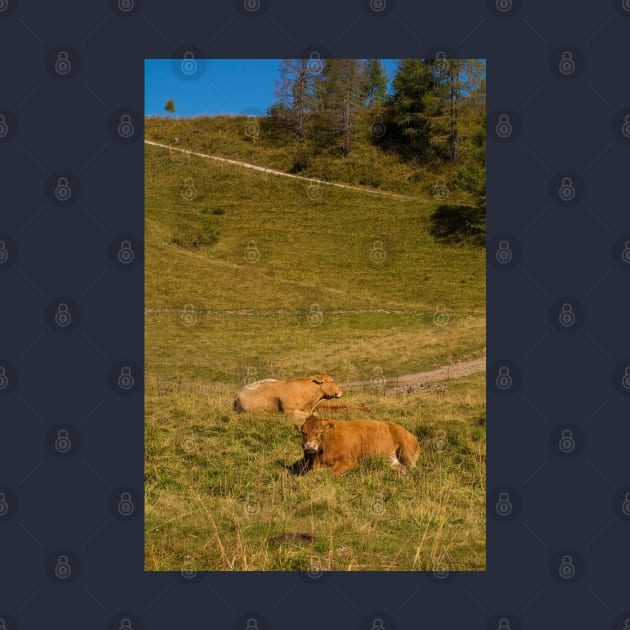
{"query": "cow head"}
{"type": "Point", "coordinates": [312, 432]}
{"type": "Point", "coordinates": [327, 385]}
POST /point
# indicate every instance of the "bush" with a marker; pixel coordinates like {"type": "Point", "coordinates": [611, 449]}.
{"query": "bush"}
{"type": "Point", "coordinates": [301, 160]}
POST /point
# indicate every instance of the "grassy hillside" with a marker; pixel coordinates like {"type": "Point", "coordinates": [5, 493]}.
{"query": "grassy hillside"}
{"type": "Point", "coordinates": [261, 141]}
{"type": "Point", "coordinates": [250, 275]}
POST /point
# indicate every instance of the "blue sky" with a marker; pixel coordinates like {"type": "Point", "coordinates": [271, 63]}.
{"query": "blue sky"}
{"type": "Point", "coordinates": [220, 86]}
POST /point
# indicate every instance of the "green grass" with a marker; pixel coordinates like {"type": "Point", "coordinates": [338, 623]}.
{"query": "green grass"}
{"type": "Point", "coordinates": [311, 296]}
{"type": "Point", "coordinates": [217, 491]}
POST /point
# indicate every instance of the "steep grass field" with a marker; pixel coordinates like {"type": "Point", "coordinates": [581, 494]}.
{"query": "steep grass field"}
{"type": "Point", "coordinates": [252, 276]}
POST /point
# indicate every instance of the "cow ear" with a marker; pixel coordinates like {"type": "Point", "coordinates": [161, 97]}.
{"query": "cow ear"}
{"type": "Point", "coordinates": [298, 426]}
{"type": "Point", "coordinates": [318, 379]}
{"type": "Point", "coordinates": [329, 426]}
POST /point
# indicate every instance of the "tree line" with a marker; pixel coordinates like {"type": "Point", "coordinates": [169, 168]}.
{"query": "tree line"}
{"type": "Point", "coordinates": [434, 112]}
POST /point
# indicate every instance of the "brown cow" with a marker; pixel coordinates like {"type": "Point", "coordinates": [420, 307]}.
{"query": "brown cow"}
{"type": "Point", "coordinates": [342, 443]}
{"type": "Point", "coordinates": [296, 396]}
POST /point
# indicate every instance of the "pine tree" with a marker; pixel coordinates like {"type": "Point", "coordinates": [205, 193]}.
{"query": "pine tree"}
{"type": "Point", "coordinates": [294, 91]}
{"type": "Point", "coordinates": [412, 82]}
{"type": "Point", "coordinates": [472, 131]}
{"type": "Point", "coordinates": [169, 106]}
{"type": "Point", "coordinates": [375, 82]}
{"type": "Point", "coordinates": [340, 90]}
{"type": "Point", "coordinates": [442, 109]}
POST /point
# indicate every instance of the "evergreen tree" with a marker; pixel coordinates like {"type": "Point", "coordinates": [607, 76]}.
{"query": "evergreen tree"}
{"type": "Point", "coordinates": [412, 82]}
{"type": "Point", "coordinates": [375, 82]}
{"type": "Point", "coordinates": [169, 106]}
{"type": "Point", "coordinates": [442, 109]}
{"type": "Point", "coordinates": [294, 89]}
{"type": "Point", "coordinates": [340, 91]}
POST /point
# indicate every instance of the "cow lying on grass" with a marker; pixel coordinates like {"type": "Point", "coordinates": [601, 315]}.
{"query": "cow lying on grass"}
{"type": "Point", "coordinates": [342, 443]}
{"type": "Point", "coordinates": [297, 397]}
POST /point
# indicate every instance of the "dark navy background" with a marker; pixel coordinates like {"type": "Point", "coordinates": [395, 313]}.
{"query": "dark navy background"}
{"type": "Point", "coordinates": [71, 314]}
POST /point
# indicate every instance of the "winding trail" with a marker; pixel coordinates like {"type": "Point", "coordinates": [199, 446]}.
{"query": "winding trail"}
{"type": "Point", "coordinates": [272, 171]}
{"type": "Point", "coordinates": [458, 370]}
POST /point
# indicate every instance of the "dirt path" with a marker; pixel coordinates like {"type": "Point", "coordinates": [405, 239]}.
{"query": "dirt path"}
{"type": "Point", "coordinates": [272, 171]}
{"type": "Point", "coordinates": [432, 376]}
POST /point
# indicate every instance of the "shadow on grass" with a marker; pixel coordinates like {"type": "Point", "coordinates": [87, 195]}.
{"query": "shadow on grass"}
{"type": "Point", "coordinates": [297, 468]}
{"type": "Point", "coordinates": [459, 223]}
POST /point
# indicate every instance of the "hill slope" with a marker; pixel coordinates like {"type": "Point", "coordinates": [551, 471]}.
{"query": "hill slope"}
{"type": "Point", "coordinates": [222, 238]}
